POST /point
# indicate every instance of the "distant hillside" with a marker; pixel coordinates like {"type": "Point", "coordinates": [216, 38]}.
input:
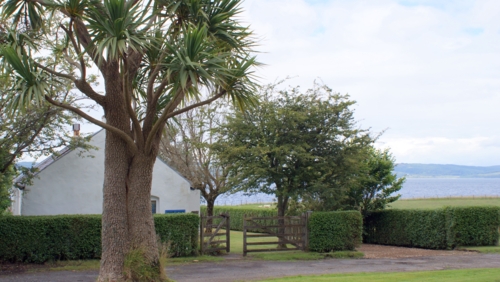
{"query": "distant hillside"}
{"type": "Point", "coordinates": [447, 170]}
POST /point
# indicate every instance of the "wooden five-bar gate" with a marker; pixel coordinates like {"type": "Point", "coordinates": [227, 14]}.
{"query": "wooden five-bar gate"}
{"type": "Point", "coordinates": [291, 232]}
{"type": "Point", "coordinates": [212, 232]}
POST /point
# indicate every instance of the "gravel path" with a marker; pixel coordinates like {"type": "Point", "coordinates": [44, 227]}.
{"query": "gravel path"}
{"type": "Point", "coordinates": [235, 269]}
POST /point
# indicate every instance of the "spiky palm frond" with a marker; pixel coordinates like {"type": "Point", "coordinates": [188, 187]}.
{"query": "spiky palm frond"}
{"type": "Point", "coordinates": [29, 13]}
{"type": "Point", "coordinates": [115, 27]}
{"type": "Point", "coordinates": [241, 85]}
{"type": "Point", "coordinates": [195, 61]}
{"type": "Point", "coordinates": [219, 17]}
{"type": "Point", "coordinates": [30, 83]}
{"type": "Point", "coordinates": [73, 8]}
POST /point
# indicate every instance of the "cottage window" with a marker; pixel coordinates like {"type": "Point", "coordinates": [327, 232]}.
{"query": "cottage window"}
{"type": "Point", "coordinates": [153, 206]}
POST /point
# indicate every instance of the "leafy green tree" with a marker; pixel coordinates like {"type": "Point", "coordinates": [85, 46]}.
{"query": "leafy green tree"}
{"type": "Point", "coordinates": [187, 147]}
{"type": "Point", "coordinates": [294, 144]}
{"type": "Point", "coordinates": [153, 57]}
{"type": "Point", "coordinates": [377, 184]}
{"type": "Point", "coordinates": [5, 187]}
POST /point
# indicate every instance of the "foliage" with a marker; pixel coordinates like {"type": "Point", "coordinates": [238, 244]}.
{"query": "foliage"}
{"type": "Point", "coordinates": [376, 183]}
{"type": "Point", "coordinates": [158, 59]}
{"type": "Point", "coordinates": [334, 231]}
{"type": "Point", "coordinates": [187, 147]}
{"type": "Point", "coordinates": [472, 226]}
{"type": "Point", "coordinates": [434, 229]}
{"type": "Point", "coordinates": [137, 268]}
{"type": "Point", "coordinates": [180, 231]}
{"type": "Point", "coordinates": [6, 178]}
{"type": "Point", "coordinates": [38, 130]}
{"type": "Point", "coordinates": [236, 214]}
{"type": "Point", "coordinates": [69, 237]}
{"type": "Point", "coordinates": [294, 144]}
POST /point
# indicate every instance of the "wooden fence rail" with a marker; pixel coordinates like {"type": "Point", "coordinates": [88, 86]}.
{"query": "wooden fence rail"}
{"type": "Point", "coordinates": [211, 232]}
{"type": "Point", "coordinates": [289, 230]}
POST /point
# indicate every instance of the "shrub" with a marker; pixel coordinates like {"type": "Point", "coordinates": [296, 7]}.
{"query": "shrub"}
{"type": "Point", "coordinates": [236, 214]}
{"type": "Point", "coordinates": [472, 226]}
{"type": "Point", "coordinates": [180, 231]}
{"type": "Point", "coordinates": [434, 229]}
{"type": "Point", "coordinates": [411, 228]}
{"type": "Point", "coordinates": [334, 231]}
{"type": "Point", "coordinates": [38, 239]}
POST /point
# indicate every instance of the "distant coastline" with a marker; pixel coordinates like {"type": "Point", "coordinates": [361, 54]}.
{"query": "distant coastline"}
{"type": "Point", "coordinates": [446, 171]}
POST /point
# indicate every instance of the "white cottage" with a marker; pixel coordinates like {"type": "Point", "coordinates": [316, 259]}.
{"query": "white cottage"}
{"type": "Point", "coordinates": [71, 184]}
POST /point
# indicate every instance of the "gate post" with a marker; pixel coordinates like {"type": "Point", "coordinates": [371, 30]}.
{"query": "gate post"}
{"type": "Point", "coordinates": [244, 235]}
{"type": "Point", "coordinates": [228, 236]}
{"type": "Point", "coordinates": [305, 217]}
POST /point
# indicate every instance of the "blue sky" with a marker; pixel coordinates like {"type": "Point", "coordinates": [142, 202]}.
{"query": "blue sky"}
{"type": "Point", "coordinates": [426, 71]}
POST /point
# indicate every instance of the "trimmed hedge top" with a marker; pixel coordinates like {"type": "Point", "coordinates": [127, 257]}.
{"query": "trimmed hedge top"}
{"type": "Point", "coordinates": [67, 237]}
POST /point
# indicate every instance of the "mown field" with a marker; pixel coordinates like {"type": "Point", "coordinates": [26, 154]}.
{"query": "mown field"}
{"type": "Point", "coordinates": [426, 203]}
{"type": "Point", "coordinates": [434, 203]}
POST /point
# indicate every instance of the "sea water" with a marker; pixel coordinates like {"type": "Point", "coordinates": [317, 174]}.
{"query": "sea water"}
{"type": "Point", "coordinates": [412, 188]}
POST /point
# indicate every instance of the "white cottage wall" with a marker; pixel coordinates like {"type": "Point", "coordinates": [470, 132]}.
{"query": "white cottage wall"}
{"type": "Point", "coordinates": [73, 185]}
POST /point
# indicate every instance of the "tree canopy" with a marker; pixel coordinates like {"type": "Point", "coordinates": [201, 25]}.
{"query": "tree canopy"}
{"type": "Point", "coordinates": [294, 144]}
{"type": "Point", "coordinates": [157, 58]}
{"type": "Point", "coordinates": [376, 185]}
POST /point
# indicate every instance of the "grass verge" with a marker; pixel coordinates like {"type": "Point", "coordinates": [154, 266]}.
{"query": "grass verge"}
{"type": "Point", "coordinates": [462, 275]}
{"type": "Point", "coordinates": [237, 248]}
{"type": "Point", "coordinates": [483, 250]}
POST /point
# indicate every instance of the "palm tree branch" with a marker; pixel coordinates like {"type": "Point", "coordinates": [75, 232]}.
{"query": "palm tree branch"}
{"type": "Point", "coordinates": [83, 68]}
{"type": "Point", "coordinates": [104, 125]}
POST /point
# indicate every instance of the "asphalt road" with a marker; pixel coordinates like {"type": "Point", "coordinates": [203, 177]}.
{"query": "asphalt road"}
{"type": "Point", "coordinates": [249, 270]}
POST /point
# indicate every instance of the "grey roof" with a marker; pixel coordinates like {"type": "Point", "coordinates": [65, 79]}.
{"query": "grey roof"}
{"type": "Point", "coordinates": [66, 150]}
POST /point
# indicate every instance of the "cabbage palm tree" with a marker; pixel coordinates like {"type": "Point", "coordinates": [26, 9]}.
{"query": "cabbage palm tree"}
{"type": "Point", "coordinates": [154, 57]}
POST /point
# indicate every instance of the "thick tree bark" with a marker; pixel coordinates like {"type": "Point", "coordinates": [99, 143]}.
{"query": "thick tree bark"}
{"type": "Point", "coordinates": [210, 212]}
{"type": "Point", "coordinates": [210, 206]}
{"type": "Point", "coordinates": [140, 218]}
{"type": "Point", "coordinates": [127, 221]}
{"type": "Point", "coordinates": [115, 234]}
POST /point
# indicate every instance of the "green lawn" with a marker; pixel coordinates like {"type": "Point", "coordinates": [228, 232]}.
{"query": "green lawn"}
{"type": "Point", "coordinates": [429, 203]}
{"type": "Point", "coordinates": [484, 249]}
{"type": "Point", "coordinates": [237, 248]}
{"type": "Point", "coordinates": [253, 206]}
{"type": "Point", "coordinates": [476, 275]}
{"type": "Point", "coordinates": [433, 203]}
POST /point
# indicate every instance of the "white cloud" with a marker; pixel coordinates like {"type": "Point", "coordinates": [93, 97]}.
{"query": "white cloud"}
{"type": "Point", "coordinates": [423, 69]}
{"type": "Point", "coordinates": [465, 151]}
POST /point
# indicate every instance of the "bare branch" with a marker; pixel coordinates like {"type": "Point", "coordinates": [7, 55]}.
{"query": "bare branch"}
{"type": "Point", "coordinates": [83, 68]}
{"type": "Point", "coordinates": [63, 75]}
{"type": "Point", "coordinates": [86, 89]}
{"type": "Point", "coordinates": [179, 96]}
{"type": "Point", "coordinates": [208, 101]}
{"type": "Point", "coordinates": [120, 133]}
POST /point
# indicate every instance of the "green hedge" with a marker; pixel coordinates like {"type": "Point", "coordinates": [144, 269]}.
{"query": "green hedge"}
{"type": "Point", "coordinates": [236, 214]}
{"type": "Point", "coordinates": [38, 239]}
{"type": "Point", "coordinates": [472, 226]}
{"type": "Point", "coordinates": [334, 231]}
{"type": "Point", "coordinates": [434, 229]}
